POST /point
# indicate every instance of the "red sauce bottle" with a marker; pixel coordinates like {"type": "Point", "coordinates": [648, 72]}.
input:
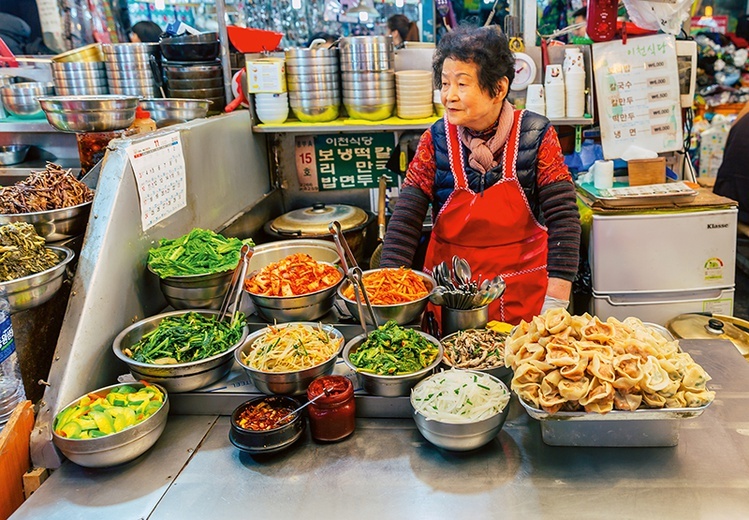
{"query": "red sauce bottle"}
{"type": "Point", "coordinates": [333, 417]}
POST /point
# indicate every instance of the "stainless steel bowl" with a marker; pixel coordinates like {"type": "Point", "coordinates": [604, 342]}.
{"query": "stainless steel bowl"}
{"type": "Point", "coordinates": [367, 99]}
{"type": "Point", "coordinates": [28, 88]}
{"type": "Point", "coordinates": [366, 65]}
{"type": "Point", "coordinates": [130, 75]}
{"type": "Point", "coordinates": [373, 87]}
{"type": "Point", "coordinates": [88, 91]}
{"type": "Point", "coordinates": [295, 70]}
{"type": "Point", "coordinates": [195, 38]}
{"type": "Point", "coordinates": [401, 313]}
{"type": "Point", "coordinates": [197, 72]}
{"type": "Point", "coordinates": [320, 250]}
{"type": "Point", "coordinates": [501, 372]}
{"type": "Point", "coordinates": [130, 48]}
{"type": "Point", "coordinates": [309, 113]}
{"type": "Point", "coordinates": [287, 383]}
{"type": "Point", "coordinates": [13, 154]}
{"type": "Point", "coordinates": [84, 75]}
{"type": "Point", "coordinates": [311, 81]}
{"type": "Point", "coordinates": [366, 42]}
{"type": "Point", "coordinates": [369, 77]}
{"type": "Point", "coordinates": [80, 83]}
{"type": "Point", "coordinates": [370, 112]}
{"type": "Point", "coordinates": [326, 97]}
{"type": "Point", "coordinates": [22, 99]}
{"type": "Point", "coordinates": [88, 103]}
{"type": "Point", "coordinates": [167, 111]}
{"type": "Point", "coordinates": [77, 66]}
{"type": "Point", "coordinates": [36, 289]}
{"type": "Point", "coordinates": [116, 448]}
{"type": "Point", "coordinates": [55, 225]}
{"type": "Point", "coordinates": [182, 377]}
{"type": "Point", "coordinates": [312, 62]}
{"type": "Point", "coordinates": [302, 52]}
{"type": "Point", "coordinates": [305, 307]}
{"type": "Point", "coordinates": [200, 291]}
{"type": "Point", "coordinates": [462, 436]}
{"type": "Point", "coordinates": [389, 386]}
{"type": "Point", "coordinates": [90, 121]}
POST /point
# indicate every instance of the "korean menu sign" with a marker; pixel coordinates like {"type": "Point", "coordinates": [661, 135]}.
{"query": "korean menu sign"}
{"type": "Point", "coordinates": [637, 88]}
{"type": "Point", "coordinates": [342, 161]}
{"type": "Point", "coordinates": [159, 168]}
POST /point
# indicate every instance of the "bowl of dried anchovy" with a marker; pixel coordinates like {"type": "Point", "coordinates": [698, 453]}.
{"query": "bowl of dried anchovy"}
{"type": "Point", "coordinates": [53, 201]}
{"type": "Point", "coordinates": [30, 272]}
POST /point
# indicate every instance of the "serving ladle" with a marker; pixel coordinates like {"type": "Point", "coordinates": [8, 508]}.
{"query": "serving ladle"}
{"type": "Point", "coordinates": [325, 392]}
{"type": "Point", "coordinates": [462, 270]}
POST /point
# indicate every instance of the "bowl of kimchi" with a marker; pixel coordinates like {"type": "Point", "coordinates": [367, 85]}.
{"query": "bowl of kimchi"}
{"type": "Point", "coordinates": [295, 288]}
{"type": "Point", "coordinates": [397, 294]}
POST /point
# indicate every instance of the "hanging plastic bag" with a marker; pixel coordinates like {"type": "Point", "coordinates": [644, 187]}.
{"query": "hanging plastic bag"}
{"type": "Point", "coordinates": [655, 15]}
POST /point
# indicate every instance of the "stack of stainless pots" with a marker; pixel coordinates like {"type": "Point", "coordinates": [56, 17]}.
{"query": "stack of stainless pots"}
{"type": "Point", "coordinates": [129, 69]}
{"type": "Point", "coordinates": [313, 83]}
{"type": "Point", "coordinates": [367, 64]}
{"type": "Point", "coordinates": [80, 78]}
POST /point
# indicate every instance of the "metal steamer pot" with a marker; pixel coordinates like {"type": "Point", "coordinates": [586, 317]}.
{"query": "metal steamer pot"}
{"type": "Point", "coordinates": [312, 222]}
{"type": "Point", "coordinates": [712, 326]}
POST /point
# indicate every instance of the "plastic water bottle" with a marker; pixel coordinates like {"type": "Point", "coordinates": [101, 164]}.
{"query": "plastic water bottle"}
{"type": "Point", "coordinates": [11, 384]}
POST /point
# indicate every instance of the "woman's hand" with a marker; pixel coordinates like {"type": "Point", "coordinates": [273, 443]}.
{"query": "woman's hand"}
{"type": "Point", "coordinates": [557, 294]}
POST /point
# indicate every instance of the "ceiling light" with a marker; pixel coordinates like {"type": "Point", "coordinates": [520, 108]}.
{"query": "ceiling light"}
{"type": "Point", "coordinates": [364, 10]}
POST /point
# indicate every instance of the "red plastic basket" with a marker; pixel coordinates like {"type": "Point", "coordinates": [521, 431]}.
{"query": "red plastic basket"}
{"type": "Point", "coordinates": [247, 40]}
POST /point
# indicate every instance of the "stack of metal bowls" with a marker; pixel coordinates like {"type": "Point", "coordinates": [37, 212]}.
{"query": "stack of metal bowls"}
{"type": "Point", "coordinates": [80, 78]}
{"type": "Point", "coordinates": [21, 99]}
{"type": "Point", "coordinates": [129, 69]}
{"type": "Point", "coordinates": [196, 80]}
{"type": "Point", "coordinates": [367, 69]}
{"type": "Point", "coordinates": [87, 53]}
{"type": "Point", "coordinates": [313, 83]}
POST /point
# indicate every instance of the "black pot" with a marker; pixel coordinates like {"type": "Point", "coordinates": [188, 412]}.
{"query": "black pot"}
{"type": "Point", "coordinates": [201, 51]}
{"type": "Point", "coordinates": [267, 441]}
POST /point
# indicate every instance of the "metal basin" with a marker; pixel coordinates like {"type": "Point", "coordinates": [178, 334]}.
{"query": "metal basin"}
{"type": "Point", "coordinates": [13, 154]}
{"type": "Point", "coordinates": [287, 383]}
{"type": "Point", "coordinates": [317, 96]}
{"type": "Point", "coordinates": [367, 99]}
{"type": "Point", "coordinates": [315, 114]}
{"type": "Point", "coordinates": [312, 62]}
{"type": "Point", "coordinates": [88, 91]}
{"type": "Point", "coordinates": [319, 250]}
{"type": "Point", "coordinates": [91, 121]}
{"type": "Point", "coordinates": [385, 76]}
{"type": "Point", "coordinates": [200, 291]}
{"type": "Point", "coordinates": [88, 103]}
{"type": "Point", "coordinates": [173, 110]}
{"type": "Point", "coordinates": [36, 289]}
{"type": "Point", "coordinates": [370, 112]}
{"type": "Point", "coordinates": [294, 70]}
{"type": "Point", "coordinates": [130, 75]}
{"type": "Point", "coordinates": [302, 53]}
{"type": "Point", "coordinates": [116, 448]}
{"type": "Point", "coordinates": [54, 225]}
{"type": "Point", "coordinates": [77, 66]}
{"type": "Point", "coordinates": [182, 377]}
{"type": "Point", "coordinates": [389, 386]}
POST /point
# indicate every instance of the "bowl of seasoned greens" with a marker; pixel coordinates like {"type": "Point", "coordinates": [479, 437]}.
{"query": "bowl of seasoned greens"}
{"type": "Point", "coordinates": [195, 270]}
{"type": "Point", "coordinates": [391, 359]}
{"type": "Point", "coordinates": [111, 425]}
{"type": "Point", "coordinates": [181, 350]}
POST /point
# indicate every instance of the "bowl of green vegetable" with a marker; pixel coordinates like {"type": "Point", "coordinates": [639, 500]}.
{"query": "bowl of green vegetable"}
{"type": "Point", "coordinates": [111, 425]}
{"type": "Point", "coordinates": [195, 270]}
{"type": "Point", "coordinates": [181, 350]}
{"type": "Point", "coordinates": [390, 360]}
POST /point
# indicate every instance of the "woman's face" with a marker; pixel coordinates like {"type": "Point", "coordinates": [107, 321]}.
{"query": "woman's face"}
{"type": "Point", "coordinates": [466, 103]}
{"type": "Point", "coordinates": [397, 40]}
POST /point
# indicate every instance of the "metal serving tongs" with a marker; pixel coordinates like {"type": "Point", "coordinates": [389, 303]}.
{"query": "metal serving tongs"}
{"type": "Point", "coordinates": [234, 293]}
{"type": "Point", "coordinates": [353, 273]}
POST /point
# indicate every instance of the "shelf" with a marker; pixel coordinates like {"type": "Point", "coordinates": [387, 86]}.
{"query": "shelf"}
{"type": "Point", "coordinates": [37, 126]}
{"type": "Point", "coordinates": [572, 121]}
{"type": "Point", "coordinates": [347, 125]}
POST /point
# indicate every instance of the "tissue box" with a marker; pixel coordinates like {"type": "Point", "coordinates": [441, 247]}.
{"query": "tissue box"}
{"type": "Point", "coordinates": [266, 75]}
{"type": "Point", "coordinates": [646, 171]}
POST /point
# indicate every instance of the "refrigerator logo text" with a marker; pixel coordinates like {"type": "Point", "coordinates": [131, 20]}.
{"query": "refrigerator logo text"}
{"type": "Point", "coordinates": [716, 226]}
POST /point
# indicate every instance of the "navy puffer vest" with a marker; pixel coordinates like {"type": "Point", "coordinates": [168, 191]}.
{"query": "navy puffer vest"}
{"type": "Point", "coordinates": [532, 130]}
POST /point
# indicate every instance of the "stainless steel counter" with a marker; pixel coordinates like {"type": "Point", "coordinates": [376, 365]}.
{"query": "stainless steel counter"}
{"type": "Point", "coordinates": [387, 470]}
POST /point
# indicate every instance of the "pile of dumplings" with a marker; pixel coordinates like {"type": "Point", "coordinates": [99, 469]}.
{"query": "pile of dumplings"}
{"type": "Point", "coordinates": [572, 363]}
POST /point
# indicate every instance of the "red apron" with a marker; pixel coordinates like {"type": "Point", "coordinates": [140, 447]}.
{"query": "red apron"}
{"type": "Point", "coordinates": [496, 232]}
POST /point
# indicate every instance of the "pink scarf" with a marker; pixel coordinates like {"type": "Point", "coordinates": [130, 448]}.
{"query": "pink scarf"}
{"type": "Point", "coordinates": [482, 157]}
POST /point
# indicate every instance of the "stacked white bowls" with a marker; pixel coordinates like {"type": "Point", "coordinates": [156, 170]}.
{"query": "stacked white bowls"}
{"type": "Point", "coordinates": [80, 78]}
{"type": "Point", "coordinates": [272, 109]}
{"type": "Point", "coordinates": [313, 83]}
{"type": "Point", "coordinates": [368, 80]}
{"type": "Point", "coordinates": [574, 82]}
{"type": "Point", "coordinates": [129, 69]}
{"type": "Point", "coordinates": [415, 93]}
{"type": "Point", "coordinates": [554, 91]}
{"type": "Point", "coordinates": [535, 100]}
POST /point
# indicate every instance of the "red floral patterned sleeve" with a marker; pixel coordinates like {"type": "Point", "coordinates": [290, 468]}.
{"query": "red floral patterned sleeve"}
{"type": "Point", "coordinates": [423, 166]}
{"type": "Point", "coordinates": [551, 167]}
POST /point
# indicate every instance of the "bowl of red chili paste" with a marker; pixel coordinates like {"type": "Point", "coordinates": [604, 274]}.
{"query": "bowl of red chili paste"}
{"type": "Point", "coordinates": [263, 424]}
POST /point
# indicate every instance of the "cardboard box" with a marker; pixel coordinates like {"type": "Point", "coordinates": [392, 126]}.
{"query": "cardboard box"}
{"type": "Point", "coordinates": [266, 75]}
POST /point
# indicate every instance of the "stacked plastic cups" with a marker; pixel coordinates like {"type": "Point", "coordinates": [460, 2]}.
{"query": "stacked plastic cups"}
{"type": "Point", "coordinates": [129, 69]}
{"type": "Point", "coordinates": [535, 101]}
{"type": "Point", "coordinates": [554, 90]}
{"type": "Point", "coordinates": [313, 84]}
{"type": "Point", "coordinates": [415, 93]}
{"type": "Point", "coordinates": [574, 81]}
{"type": "Point", "coordinates": [367, 64]}
{"type": "Point", "coordinates": [80, 78]}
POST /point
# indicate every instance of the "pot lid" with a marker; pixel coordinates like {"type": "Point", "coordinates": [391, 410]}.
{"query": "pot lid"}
{"type": "Point", "coordinates": [315, 220]}
{"type": "Point", "coordinates": [716, 326]}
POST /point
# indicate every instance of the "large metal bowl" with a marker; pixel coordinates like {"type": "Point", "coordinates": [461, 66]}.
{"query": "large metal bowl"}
{"type": "Point", "coordinates": [116, 448]}
{"type": "Point", "coordinates": [305, 307]}
{"type": "Point", "coordinates": [389, 386]}
{"type": "Point", "coordinates": [88, 53]}
{"type": "Point", "coordinates": [320, 250]}
{"type": "Point", "coordinates": [167, 111]}
{"type": "Point", "coordinates": [287, 383]}
{"type": "Point", "coordinates": [54, 225]}
{"type": "Point", "coordinates": [200, 291]}
{"type": "Point", "coordinates": [13, 154]}
{"type": "Point", "coordinates": [463, 436]}
{"type": "Point", "coordinates": [402, 313]}
{"type": "Point", "coordinates": [36, 289]}
{"type": "Point", "coordinates": [90, 113]}
{"type": "Point", "coordinates": [370, 112]}
{"type": "Point", "coordinates": [501, 372]}
{"type": "Point", "coordinates": [74, 104]}
{"type": "Point", "coordinates": [310, 113]}
{"type": "Point", "coordinates": [182, 377]}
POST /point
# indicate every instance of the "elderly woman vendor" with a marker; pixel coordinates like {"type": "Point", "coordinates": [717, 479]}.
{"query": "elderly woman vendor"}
{"type": "Point", "coordinates": [501, 195]}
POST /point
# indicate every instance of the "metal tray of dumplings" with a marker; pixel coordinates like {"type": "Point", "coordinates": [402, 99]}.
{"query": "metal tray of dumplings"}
{"type": "Point", "coordinates": [641, 428]}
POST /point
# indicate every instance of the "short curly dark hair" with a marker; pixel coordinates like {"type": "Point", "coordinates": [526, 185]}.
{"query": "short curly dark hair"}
{"type": "Point", "coordinates": [486, 47]}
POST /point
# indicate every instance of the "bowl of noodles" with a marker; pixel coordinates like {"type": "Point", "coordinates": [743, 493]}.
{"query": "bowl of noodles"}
{"type": "Point", "coordinates": [397, 294]}
{"type": "Point", "coordinates": [295, 288]}
{"type": "Point", "coordinates": [284, 359]}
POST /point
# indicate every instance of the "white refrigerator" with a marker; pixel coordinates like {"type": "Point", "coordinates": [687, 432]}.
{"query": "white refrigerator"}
{"type": "Point", "coordinates": [655, 266]}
